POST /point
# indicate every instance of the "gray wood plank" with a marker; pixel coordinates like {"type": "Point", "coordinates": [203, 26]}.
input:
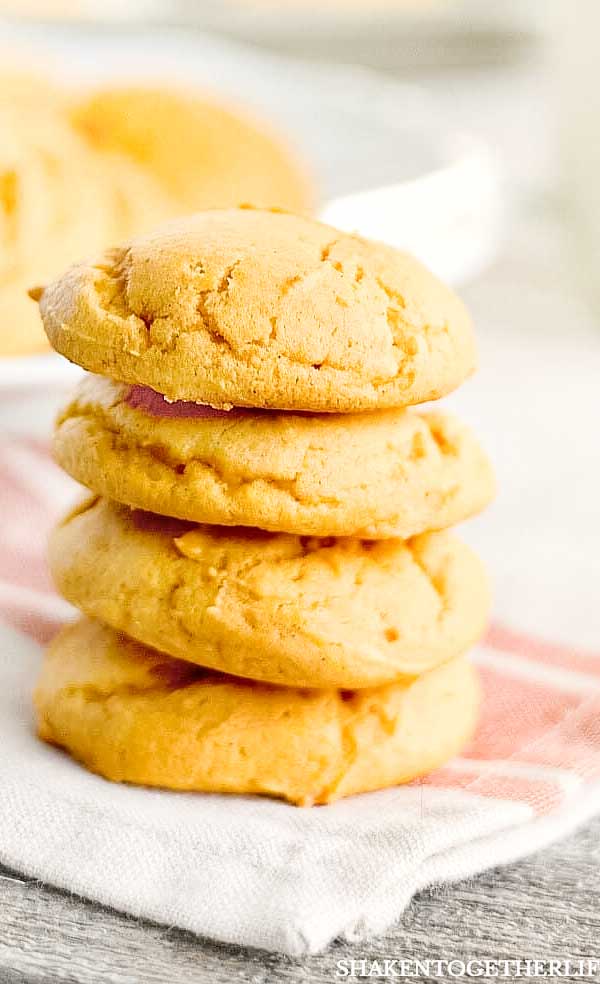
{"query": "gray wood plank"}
{"type": "Point", "coordinates": [547, 906]}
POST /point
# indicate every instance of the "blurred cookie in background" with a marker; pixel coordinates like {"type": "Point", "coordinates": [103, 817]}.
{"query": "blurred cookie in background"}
{"type": "Point", "coordinates": [22, 84]}
{"type": "Point", "coordinates": [225, 157]}
{"type": "Point", "coordinates": [78, 174]}
{"type": "Point", "coordinates": [59, 201]}
{"type": "Point", "coordinates": [54, 206]}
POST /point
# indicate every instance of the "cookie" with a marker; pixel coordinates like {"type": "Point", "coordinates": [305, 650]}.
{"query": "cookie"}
{"type": "Point", "coordinates": [263, 309]}
{"type": "Point", "coordinates": [22, 84]}
{"type": "Point", "coordinates": [133, 715]}
{"type": "Point", "coordinates": [58, 201]}
{"type": "Point", "coordinates": [54, 207]}
{"type": "Point", "coordinates": [20, 330]}
{"type": "Point", "coordinates": [203, 153]}
{"type": "Point", "coordinates": [390, 473]}
{"type": "Point", "coordinates": [290, 610]}
{"type": "Point", "coordinates": [42, 168]}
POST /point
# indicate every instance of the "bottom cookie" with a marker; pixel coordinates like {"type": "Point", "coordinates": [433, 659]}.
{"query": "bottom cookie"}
{"type": "Point", "coordinates": [133, 715]}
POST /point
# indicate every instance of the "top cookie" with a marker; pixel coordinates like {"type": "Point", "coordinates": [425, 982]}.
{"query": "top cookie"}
{"type": "Point", "coordinates": [263, 309]}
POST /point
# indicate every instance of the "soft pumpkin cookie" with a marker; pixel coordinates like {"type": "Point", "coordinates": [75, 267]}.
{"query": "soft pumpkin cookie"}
{"type": "Point", "coordinates": [263, 309]}
{"type": "Point", "coordinates": [134, 715]}
{"type": "Point", "coordinates": [58, 202]}
{"type": "Point", "coordinates": [292, 610]}
{"type": "Point", "coordinates": [52, 211]}
{"type": "Point", "coordinates": [390, 473]}
{"type": "Point", "coordinates": [204, 154]}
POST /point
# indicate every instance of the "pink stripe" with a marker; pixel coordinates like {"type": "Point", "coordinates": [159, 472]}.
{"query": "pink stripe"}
{"type": "Point", "coordinates": [541, 794]}
{"type": "Point", "coordinates": [27, 512]}
{"type": "Point", "coordinates": [515, 712]}
{"type": "Point", "coordinates": [573, 745]}
{"type": "Point", "coordinates": [38, 626]}
{"type": "Point", "coordinates": [528, 722]}
{"type": "Point", "coordinates": [528, 647]}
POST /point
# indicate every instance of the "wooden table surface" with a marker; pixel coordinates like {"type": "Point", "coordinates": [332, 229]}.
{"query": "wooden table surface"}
{"type": "Point", "coordinates": [545, 907]}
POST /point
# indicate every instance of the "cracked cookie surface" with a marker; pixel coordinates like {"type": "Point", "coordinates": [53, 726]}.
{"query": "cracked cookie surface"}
{"type": "Point", "coordinates": [263, 309]}
{"type": "Point", "coordinates": [134, 715]}
{"type": "Point", "coordinates": [292, 610]}
{"type": "Point", "coordinates": [390, 473]}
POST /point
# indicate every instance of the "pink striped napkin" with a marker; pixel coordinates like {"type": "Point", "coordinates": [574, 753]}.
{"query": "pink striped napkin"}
{"type": "Point", "coordinates": [531, 772]}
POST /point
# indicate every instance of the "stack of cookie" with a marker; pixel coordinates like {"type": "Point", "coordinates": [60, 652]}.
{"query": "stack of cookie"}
{"type": "Point", "coordinates": [272, 603]}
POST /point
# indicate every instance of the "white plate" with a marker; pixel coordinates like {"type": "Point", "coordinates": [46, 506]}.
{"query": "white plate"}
{"type": "Point", "coordinates": [360, 131]}
{"type": "Point", "coordinates": [31, 391]}
{"type": "Point", "coordinates": [22, 373]}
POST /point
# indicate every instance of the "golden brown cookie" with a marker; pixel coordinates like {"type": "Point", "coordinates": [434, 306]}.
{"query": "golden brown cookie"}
{"type": "Point", "coordinates": [138, 202]}
{"type": "Point", "coordinates": [45, 200]}
{"type": "Point", "coordinates": [390, 473]}
{"type": "Point", "coordinates": [263, 309]}
{"type": "Point", "coordinates": [291, 610]}
{"type": "Point", "coordinates": [134, 715]}
{"type": "Point", "coordinates": [204, 154]}
{"type": "Point", "coordinates": [54, 208]}
{"type": "Point", "coordinates": [20, 330]}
